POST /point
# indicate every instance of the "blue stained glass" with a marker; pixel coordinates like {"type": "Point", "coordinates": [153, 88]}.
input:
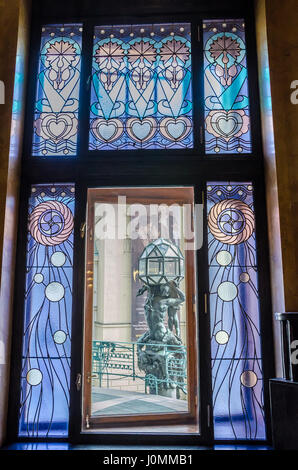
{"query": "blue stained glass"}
{"type": "Point", "coordinates": [226, 100]}
{"type": "Point", "coordinates": [44, 408]}
{"type": "Point", "coordinates": [238, 407]}
{"type": "Point", "coordinates": [141, 93]}
{"type": "Point", "coordinates": [57, 94]}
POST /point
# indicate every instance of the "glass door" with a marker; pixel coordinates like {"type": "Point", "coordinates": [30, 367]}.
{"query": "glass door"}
{"type": "Point", "coordinates": [140, 333]}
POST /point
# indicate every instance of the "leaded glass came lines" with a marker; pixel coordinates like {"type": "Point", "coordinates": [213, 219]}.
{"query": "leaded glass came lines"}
{"type": "Point", "coordinates": [227, 115]}
{"type": "Point", "coordinates": [141, 95]}
{"type": "Point", "coordinates": [236, 359]}
{"type": "Point", "coordinates": [45, 376]}
{"type": "Point", "coordinates": [57, 94]}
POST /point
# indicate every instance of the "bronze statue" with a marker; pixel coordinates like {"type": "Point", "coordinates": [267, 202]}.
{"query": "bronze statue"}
{"type": "Point", "coordinates": [162, 300]}
{"type": "Point", "coordinates": [160, 348]}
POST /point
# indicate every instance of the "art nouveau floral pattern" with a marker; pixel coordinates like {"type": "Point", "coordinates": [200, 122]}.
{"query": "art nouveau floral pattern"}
{"type": "Point", "coordinates": [57, 96]}
{"type": "Point", "coordinates": [141, 87]}
{"type": "Point", "coordinates": [227, 118]}
{"type": "Point", "coordinates": [235, 341]}
{"type": "Point", "coordinates": [46, 348]}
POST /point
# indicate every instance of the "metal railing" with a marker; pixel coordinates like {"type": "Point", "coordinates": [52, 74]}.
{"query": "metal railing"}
{"type": "Point", "coordinates": [113, 361]}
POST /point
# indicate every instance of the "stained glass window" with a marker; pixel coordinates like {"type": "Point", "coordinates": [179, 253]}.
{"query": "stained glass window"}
{"type": "Point", "coordinates": [234, 311]}
{"type": "Point", "coordinates": [227, 116]}
{"type": "Point", "coordinates": [57, 94]}
{"type": "Point", "coordinates": [48, 302]}
{"type": "Point", "coordinates": [141, 87]}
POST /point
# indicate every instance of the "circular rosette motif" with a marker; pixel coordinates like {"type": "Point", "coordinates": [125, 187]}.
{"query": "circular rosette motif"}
{"type": "Point", "coordinates": [231, 221]}
{"type": "Point", "coordinates": [227, 48]}
{"type": "Point", "coordinates": [60, 58]}
{"type": "Point", "coordinates": [141, 130]}
{"type": "Point", "coordinates": [225, 52]}
{"type": "Point", "coordinates": [107, 130]}
{"type": "Point", "coordinates": [51, 223]}
{"type": "Point", "coordinates": [227, 124]}
{"type": "Point", "coordinates": [56, 126]}
{"type": "Point", "coordinates": [141, 57]}
{"type": "Point", "coordinates": [174, 55]}
{"type": "Point", "coordinates": [175, 129]}
{"type": "Point", "coordinates": [109, 59]}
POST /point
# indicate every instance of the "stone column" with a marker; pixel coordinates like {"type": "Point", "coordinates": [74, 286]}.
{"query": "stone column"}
{"type": "Point", "coordinates": [276, 26]}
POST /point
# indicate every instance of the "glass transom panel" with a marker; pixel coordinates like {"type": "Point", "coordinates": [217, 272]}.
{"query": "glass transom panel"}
{"type": "Point", "coordinates": [141, 95]}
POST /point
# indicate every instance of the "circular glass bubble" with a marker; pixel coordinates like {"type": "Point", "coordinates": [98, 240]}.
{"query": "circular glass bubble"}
{"type": "Point", "coordinates": [59, 337]}
{"type": "Point", "coordinates": [38, 278]}
{"type": "Point", "coordinates": [221, 337]}
{"type": "Point", "coordinates": [54, 291]}
{"type": "Point", "coordinates": [244, 277]}
{"type": "Point", "coordinates": [34, 377]}
{"type": "Point", "coordinates": [58, 258]}
{"type": "Point", "coordinates": [227, 291]}
{"type": "Point", "coordinates": [223, 258]}
{"type": "Point", "coordinates": [248, 378]}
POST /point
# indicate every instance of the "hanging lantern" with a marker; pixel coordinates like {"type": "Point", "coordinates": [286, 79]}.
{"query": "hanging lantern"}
{"type": "Point", "coordinates": [161, 262]}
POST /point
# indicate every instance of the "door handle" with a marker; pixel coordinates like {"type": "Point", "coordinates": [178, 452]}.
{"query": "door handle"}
{"type": "Point", "coordinates": [91, 376]}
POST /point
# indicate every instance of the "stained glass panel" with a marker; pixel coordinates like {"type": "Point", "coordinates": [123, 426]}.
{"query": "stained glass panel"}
{"type": "Point", "coordinates": [48, 304]}
{"type": "Point", "coordinates": [227, 116]}
{"type": "Point", "coordinates": [234, 313]}
{"type": "Point", "coordinates": [57, 94]}
{"type": "Point", "coordinates": [141, 93]}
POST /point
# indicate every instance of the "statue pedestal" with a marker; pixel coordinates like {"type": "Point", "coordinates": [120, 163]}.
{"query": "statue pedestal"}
{"type": "Point", "coordinates": [164, 368]}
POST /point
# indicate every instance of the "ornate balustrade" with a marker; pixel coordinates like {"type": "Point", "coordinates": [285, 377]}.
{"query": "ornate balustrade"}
{"type": "Point", "coordinates": [113, 361]}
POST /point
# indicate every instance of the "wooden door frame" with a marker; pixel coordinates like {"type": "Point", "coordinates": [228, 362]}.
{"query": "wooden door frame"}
{"type": "Point", "coordinates": [142, 195]}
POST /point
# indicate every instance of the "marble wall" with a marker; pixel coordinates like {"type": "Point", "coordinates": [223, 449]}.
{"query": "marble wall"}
{"type": "Point", "coordinates": [14, 36]}
{"type": "Point", "coordinates": [277, 44]}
